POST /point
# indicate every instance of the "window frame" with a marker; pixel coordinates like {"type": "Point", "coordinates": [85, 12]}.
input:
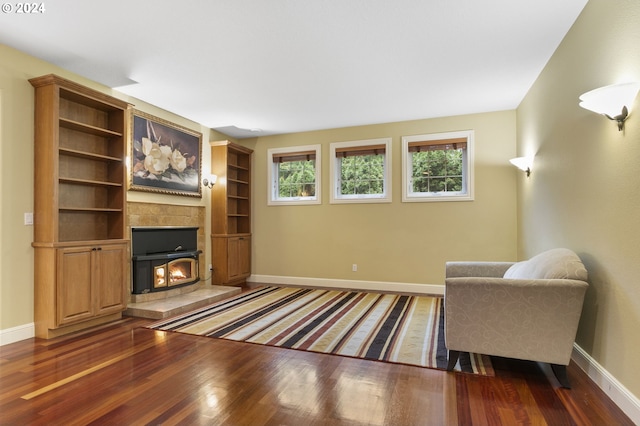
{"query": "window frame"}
{"type": "Point", "coordinates": [467, 169]}
{"type": "Point", "coordinates": [272, 177]}
{"type": "Point", "coordinates": [335, 197]}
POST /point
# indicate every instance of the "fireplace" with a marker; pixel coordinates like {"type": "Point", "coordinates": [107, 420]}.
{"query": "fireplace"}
{"type": "Point", "coordinates": [164, 258]}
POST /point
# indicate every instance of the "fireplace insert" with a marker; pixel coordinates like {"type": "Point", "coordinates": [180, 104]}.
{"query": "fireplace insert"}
{"type": "Point", "coordinates": [164, 258]}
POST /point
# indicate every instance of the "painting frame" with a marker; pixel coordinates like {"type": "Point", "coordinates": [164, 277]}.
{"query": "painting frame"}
{"type": "Point", "coordinates": [166, 158]}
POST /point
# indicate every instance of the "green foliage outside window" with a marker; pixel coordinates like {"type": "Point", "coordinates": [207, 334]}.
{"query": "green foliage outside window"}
{"type": "Point", "coordinates": [362, 175]}
{"type": "Point", "coordinates": [437, 171]}
{"type": "Point", "coordinates": [297, 179]}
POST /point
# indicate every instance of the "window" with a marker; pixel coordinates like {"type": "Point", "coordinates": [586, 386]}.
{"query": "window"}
{"type": "Point", "coordinates": [438, 167]}
{"type": "Point", "coordinates": [294, 175]}
{"type": "Point", "coordinates": [361, 171]}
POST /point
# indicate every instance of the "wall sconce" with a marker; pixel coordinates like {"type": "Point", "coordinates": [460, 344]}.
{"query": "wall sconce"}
{"type": "Point", "coordinates": [523, 163]}
{"type": "Point", "coordinates": [210, 181]}
{"type": "Point", "coordinates": [614, 102]}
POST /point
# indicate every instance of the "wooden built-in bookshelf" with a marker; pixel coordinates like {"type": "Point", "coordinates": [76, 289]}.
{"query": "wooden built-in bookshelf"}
{"type": "Point", "coordinates": [231, 212]}
{"type": "Point", "coordinates": [80, 241]}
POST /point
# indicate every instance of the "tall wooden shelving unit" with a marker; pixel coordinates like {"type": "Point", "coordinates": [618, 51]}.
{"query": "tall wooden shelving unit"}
{"type": "Point", "coordinates": [231, 212]}
{"type": "Point", "coordinates": [81, 250]}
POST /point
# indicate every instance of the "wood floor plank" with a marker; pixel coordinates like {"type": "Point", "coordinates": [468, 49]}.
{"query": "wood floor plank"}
{"type": "Point", "coordinates": [84, 372]}
{"type": "Point", "coordinates": [126, 374]}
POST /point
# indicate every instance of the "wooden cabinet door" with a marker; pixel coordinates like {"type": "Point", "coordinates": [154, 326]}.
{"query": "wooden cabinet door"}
{"type": "Point", "coordinates": [74, 296]}
{"type": "Point", "coordinates": [233, 263]}
{"type": "Point", "coordinates": [239, 261]}
{"type": "Point", "coordinates": [109, 285]}
{"type": "Point", "coordinates": [90, 282]}
{"type": "Point", "coordinates": [244, 256]}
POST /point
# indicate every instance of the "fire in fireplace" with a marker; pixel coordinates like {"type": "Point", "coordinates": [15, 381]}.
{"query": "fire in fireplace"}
{"type": "Point", "coordinates": [174, 273]}
{"type": "Point", "coordinates": [164, 258]}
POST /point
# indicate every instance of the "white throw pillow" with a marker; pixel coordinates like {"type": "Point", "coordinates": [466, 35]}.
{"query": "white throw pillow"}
{"type": "Point", "coordinates": [555, 263]}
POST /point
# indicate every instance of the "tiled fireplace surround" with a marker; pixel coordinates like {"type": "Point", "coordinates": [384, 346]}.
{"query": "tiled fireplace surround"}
{"type": "Point", "coordinates": [171, 302]}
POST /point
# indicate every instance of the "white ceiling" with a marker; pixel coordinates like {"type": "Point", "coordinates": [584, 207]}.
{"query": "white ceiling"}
{"type": "Point", "coordinates": [285, 66]}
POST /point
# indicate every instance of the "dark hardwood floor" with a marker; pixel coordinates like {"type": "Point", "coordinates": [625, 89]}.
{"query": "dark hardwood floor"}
{"type": "Point", "coordinates": [124, 374]}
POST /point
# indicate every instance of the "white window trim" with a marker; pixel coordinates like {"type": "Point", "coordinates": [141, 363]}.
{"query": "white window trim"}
{"type": "Point", "coordinates": [335, 198]}
{"type": "Point", "coordinates": [272, 199]}
{"type": "Point", "coordinates": [408, 197]}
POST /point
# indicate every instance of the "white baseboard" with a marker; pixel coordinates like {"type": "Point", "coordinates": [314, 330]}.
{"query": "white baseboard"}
{"type": "Point", "coordinates": [431, 289]}
{"type": "Point", "coordinates": [620, 395]}
{"type": "Point", "coordinates": [15, 334]}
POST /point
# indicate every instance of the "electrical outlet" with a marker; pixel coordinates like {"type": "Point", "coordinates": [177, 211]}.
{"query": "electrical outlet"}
{"type": "Point", "coordinates": [28, 218]}
{"type": "Point", "coordinates": [354, 267]}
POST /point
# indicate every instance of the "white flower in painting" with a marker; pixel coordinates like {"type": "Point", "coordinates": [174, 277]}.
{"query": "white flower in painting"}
{"type": "Point", "coordinates": [157, 157]}
{"type": "Point", "coordinates": [146, 146]}
{"type": "Point", "coordinates": [178, 162]}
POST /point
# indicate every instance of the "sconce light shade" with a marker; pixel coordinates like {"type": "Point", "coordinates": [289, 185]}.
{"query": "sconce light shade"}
{"type": "Point", "coordinates": [210, 181]}
{"type": "Point", "coordinates": [523, 163]}
{"type": "Point", "coordinates": [614, 102]}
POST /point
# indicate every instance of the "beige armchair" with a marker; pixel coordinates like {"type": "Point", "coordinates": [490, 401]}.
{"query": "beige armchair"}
{"type": "Point", "coordinates": [526, 310]}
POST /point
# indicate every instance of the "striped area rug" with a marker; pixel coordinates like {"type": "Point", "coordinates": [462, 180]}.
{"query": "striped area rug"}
{"type": "Point", "coordinates": [383, 327]}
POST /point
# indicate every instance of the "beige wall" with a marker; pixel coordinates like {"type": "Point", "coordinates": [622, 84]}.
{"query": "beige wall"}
{"type": "Point", "coordinates": [584, 190]}
{"type": "Point", "coordinates": [397, 242]}
{"type": "Point", "coordinates": [394, 242]}
{"type": "Point", "coordinates": [16, 177]}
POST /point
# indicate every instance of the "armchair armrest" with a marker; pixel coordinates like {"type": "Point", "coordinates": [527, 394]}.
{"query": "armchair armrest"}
{"type": "Point", "coordinates": [476, 269]}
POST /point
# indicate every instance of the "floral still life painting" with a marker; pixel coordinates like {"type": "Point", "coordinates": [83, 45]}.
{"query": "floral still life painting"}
{"type": "Point", "coordinates": [165, 157]}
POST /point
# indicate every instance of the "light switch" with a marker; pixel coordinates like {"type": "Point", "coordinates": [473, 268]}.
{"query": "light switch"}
{"type": "Point", "coordinates": [28, 218]}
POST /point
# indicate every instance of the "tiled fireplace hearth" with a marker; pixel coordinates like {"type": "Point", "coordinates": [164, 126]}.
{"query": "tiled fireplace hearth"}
{"type": "Point", "coordinates": [163, 304]}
